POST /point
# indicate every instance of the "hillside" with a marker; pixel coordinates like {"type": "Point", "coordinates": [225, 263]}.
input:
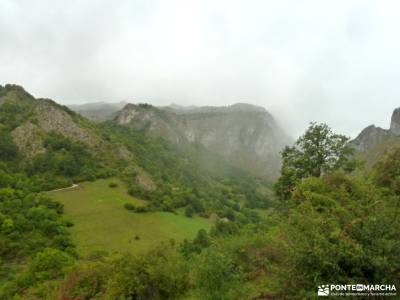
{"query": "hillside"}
{"type": "Point", "coordinates": [128, 184]}
{"type": "Point", "coordinates": [374, 141]}
{"type": "Point", "coordinates": [53, 143]}
{"type": "Point", "coordinates": [167, 217]}
{"type": "Point", "coordinates": [247, 136]}
{"type": "Point", "coordinates": [58, 146]}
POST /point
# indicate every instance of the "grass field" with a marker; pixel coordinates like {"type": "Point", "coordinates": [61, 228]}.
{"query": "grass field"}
{"type": "Point", "coordinates": [102, 223]}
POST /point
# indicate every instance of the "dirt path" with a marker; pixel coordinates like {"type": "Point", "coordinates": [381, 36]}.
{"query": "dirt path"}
{"type": "Point", "coordinates": [67, 188]}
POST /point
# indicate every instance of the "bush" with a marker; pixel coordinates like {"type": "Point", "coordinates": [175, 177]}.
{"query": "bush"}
{"type": "Point", "coordinates": [113, 185]}
{"type": "Point", "coordinates": [189, 211]}
{"type": "Point", "coordinates": [142, 209]}
{"type": "Point", "coordinates": [129, 206]}
{"type": "Point", "coordinates": [154, 276]}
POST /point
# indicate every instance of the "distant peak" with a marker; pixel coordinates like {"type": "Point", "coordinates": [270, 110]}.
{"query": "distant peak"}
{"type": "Point", "coordinates": [395, 122]}
{"type": "Point", "coordinates": [19, 92]}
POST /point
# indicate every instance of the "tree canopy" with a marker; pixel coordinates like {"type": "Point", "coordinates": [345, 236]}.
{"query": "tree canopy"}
{"type": "Point", "coordinates": [317, 152]}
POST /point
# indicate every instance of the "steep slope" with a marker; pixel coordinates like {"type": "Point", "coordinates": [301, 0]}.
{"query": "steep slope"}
{"type": "Point", "coordinates": [54, 141]}
{"type": "Point", "coordinates": [56, 147]}
{"type": "Point", "coordinates": [373, 141]}
{"type": "Point", "coordinates": [247, 136]}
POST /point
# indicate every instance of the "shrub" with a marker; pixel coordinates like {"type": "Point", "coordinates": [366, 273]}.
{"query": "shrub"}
{"type": "Point", "coordinates": [189, 211]}
{"type": "Point", "coordinates": [129, 206]}
{"type": "Point", "coordinates": [113, 184]}
{"type": "Point", "coordinates": [142, 209]}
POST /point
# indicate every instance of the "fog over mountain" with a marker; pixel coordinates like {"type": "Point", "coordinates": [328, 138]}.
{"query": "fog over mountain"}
{"type": "Point", "coordinates": [303, 61]}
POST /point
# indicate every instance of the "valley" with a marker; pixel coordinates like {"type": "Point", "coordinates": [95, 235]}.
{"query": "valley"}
{"type": "Point", "coordinates": [181, 203]}
{"type": "Point", "coordinates": [101, 223]}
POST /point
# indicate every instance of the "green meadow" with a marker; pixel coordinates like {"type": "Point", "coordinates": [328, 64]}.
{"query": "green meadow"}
{"type": "Point", "coordinates": [102, 223]}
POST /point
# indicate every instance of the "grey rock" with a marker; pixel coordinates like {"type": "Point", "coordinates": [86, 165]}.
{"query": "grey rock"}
{"type": "Point", "coordinates": [370, 137]}
{"type": "Point", "coordinates": [395, 122]}
{"type": "Point", "coordinates": [245, 135]}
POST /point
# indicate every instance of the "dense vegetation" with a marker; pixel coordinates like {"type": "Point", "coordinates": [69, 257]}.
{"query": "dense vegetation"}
{"type": "Point", "coordinates": [339, 227]}
{"type": "Point", "coordinates": [326, 224]}
{"type": "Point", "coordinates": [182, 180]}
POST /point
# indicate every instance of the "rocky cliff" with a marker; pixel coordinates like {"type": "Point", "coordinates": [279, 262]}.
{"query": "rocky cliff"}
{"type": "Point", "coordinates": [245, 135]}
{"type": "Point", "coordinates": [373, 141]}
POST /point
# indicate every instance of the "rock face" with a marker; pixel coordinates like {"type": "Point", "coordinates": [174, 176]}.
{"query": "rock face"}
{"type": "Point", "coordinates": [38, 117]}
{"type": "Point", "coordinates": [245, 135]}
{"type": "Point", "coordinates": [395, 122]}
{"type": "Point", "coordinates": [369, 138]}
{"type": "Point", "coordinates": [373, 141]}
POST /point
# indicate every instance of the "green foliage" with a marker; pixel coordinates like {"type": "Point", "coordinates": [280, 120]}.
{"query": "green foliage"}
{"type": "Point", "coordinates": [31, 225]}
{"type": "Point", "coordinates": [189, 211]}
{"type": "Point", "coordinates": [113, 184]}
{"type": "Point", "coordinates": [224, 228]}
{"type": "Point", "coordinates": [180, 180]}
{"type": "Point", "coordinates": [8, 149]}
{"type": "Point", "coordinates": [317, 152]}
{"type": "Point", "coordinates": [387, 172]}
{"type": "Point", "coordinates": [218, 277]}
{"type": "Point", "coordinates": [16, 107]}
{"type": "Point", "coordinates": [342, 230]}
{"type": "Point", "coordinates": [129, 206]}
{"type": "Point", "coordinates": [86, 281]}
{"type": "Point", "coordinates": [50, 263]}
{"type": "Point", "coordinates": [64, 162]}
{"type": "Point", "coordinates": [341, 227]}
{"type": "Point", "coordinates": [155, 276]}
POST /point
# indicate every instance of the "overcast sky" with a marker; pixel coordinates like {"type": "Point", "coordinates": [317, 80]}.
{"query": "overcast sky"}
{"type": "Point", "coordinates": [332, 61]}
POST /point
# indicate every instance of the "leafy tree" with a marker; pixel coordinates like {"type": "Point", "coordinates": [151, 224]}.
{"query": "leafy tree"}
{"type": "Point", "coordinates": [387, 172]}
{"type": "Point", "coordinates": [202, 238]}
{"type": "Point", "coordinates": [343, 230]}
{"type": "Point", "coordinates": [159, 275]}
{"type": "Point", "coordinates": [317, 152]}
{"type": "Point", "coordinates": [50, 263]}
{"type": "Point", "coordinates": [8, 149]}
{"type": "Point", "coordinates": [218, 277]}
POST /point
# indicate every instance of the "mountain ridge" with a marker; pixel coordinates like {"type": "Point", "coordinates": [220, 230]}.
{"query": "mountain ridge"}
{"type": "Point", "coordinates": [247, 135]}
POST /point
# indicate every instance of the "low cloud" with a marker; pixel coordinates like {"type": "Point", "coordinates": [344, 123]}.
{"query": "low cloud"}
{"type": "Point", "coordinates": [336, 62]}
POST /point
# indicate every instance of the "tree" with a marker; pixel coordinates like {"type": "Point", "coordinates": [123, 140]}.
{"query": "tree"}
{"type": "Point", "coordinates": [317, 152]}
{"type": "Point", "coordinates": [202, 238]}
{"type": "Point", "coordinates": [8, 149]}
{"type": "Point", "coordinates": [50, 263]}
{"type": "Point", "coordinates": [344, 229]}
{"type": "Point", "coordinates": [387, 172]}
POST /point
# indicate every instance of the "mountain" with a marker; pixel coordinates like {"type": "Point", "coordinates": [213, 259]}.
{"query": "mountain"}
{"type": "Point", "coordinates": [374, 141]}
{"type": "Point", "coordinates": [53, 143]}
{"type": "Point", "coordinates": [55, 147]}
{"type": "Point", "coordinates": [39, 117]}
{"type": "Point", "coordinates": [247, 136]}
{"type": "Point", "coordinates": [98, 111]}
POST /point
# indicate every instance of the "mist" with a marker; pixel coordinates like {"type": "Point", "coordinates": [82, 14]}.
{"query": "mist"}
{"type": "Point", "coordinates": [336, 62]}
